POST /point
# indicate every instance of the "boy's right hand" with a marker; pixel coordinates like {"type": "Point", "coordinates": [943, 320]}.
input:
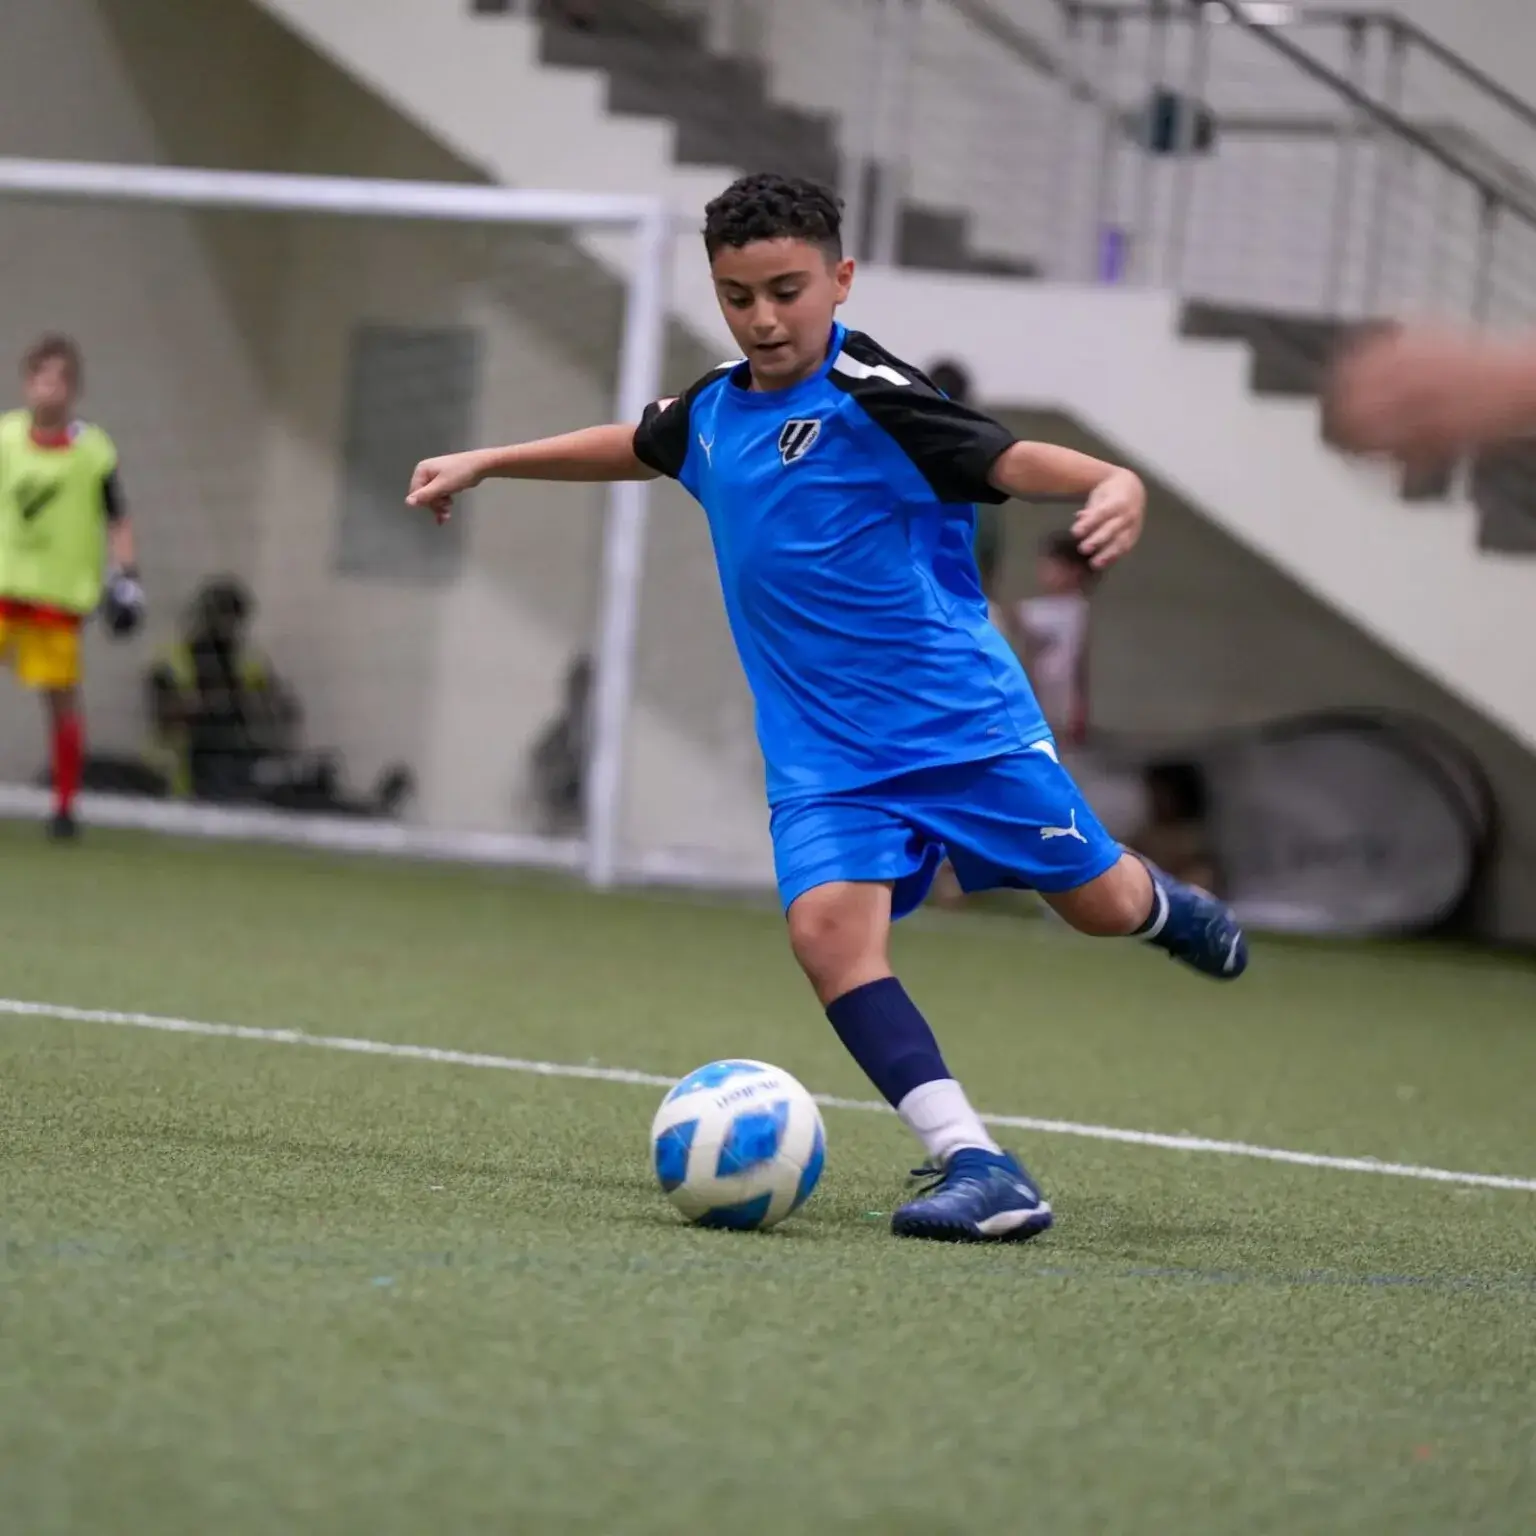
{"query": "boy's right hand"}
{"type": "Point", "coordinates": [437, 481]}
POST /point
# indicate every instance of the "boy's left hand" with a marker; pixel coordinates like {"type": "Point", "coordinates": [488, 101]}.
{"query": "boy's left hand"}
{"type": "Point", "coordinates": [1110, 523]}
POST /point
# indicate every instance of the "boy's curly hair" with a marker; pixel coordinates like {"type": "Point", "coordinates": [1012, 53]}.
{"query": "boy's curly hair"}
{"type": "Point", "coordinates": [769, 207]}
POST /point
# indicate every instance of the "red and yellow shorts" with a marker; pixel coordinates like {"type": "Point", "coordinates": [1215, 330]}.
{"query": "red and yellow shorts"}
{"type": "Point", "coordinates": [40, 645]}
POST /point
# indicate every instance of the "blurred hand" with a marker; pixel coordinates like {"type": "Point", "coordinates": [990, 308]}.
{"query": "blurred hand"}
{"type": "Point", "coordinates": [1110, 523]}
{"type": "Point", "coordinates": [1425, 396]}
{"type": "Point", "coordinates": [437, 481]}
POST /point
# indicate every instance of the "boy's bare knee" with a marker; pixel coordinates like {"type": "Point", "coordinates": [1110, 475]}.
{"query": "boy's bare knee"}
{"type": "Point", "coordinates": [822, 929]}
{"type": "Point", "coordinates": [838, 934]}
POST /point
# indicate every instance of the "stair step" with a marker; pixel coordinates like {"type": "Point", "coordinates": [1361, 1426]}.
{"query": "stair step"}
{"type": "Point", "coordinates": [720, 107]}
{"type": "Point", "coordinates": [657, 66]}
{"type": "Point", "coordinates": [1504, 489]}
{"type": "Point", "coordinates": [1291, 354]}
{"type": "Point", "coordinates": [609, 18]}
{"type": "Point", "coordinates": [657, 60]}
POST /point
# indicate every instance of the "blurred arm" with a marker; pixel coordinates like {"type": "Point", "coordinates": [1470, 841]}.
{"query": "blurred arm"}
{"type": "Point", "coordinates": [1425, 395]}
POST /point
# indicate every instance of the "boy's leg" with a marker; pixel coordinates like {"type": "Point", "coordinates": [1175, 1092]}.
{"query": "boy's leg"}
{"type": "Point", "coordinates": [68, 742]}
{"type": "Point", "coordinates": [46, 659]}
{"type": "Point", "coordinates": [840, 933]}
{"type": "Point", "coordinates": [1021, 820]}
{"type": "Point", "coordinates": [1134, 899]}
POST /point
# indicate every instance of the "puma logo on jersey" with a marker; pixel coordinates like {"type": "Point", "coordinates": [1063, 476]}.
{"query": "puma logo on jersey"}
{"type": "Point", "coordinates": [798, 438]}
{"type": "Point", "coordinates": [32, 498]}
{"type": "Point", "coordinates": [1048, 834]}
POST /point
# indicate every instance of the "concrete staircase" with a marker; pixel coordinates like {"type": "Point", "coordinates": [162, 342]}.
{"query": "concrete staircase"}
{"type": "Point", "coordinates": [1115, 360]}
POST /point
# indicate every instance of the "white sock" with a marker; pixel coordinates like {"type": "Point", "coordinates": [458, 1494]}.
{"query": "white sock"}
{"type": "Point", "coordinates": [1158, 919]}
{"type": "Point", "coordinates": [941, 1117]}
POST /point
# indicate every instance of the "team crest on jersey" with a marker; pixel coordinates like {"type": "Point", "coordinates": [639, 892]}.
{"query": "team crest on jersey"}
{"type": "Point", "coordinates": [798, 438]}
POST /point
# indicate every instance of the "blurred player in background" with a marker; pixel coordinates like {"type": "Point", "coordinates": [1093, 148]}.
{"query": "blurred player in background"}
{"type": "Point", "coordinates": [61, 512]}
{"type": "Point", "coordinates": [895, 721]}
{"type": "Point", "coordinates": [1052, 628]}
{"type": "Point", "coordinates": [1424, 395]}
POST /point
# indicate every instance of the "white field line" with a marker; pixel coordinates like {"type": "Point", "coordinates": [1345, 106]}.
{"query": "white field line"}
{"type": "Point", "coordinates": [19, 1009]}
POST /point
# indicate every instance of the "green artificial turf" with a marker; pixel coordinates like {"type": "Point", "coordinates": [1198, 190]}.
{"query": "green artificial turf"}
{"type": "Point", "coordinates": [250, 1287]}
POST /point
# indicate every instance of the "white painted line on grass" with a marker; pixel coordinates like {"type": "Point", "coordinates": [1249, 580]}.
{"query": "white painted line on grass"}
{"type": "Point", "coordinates": [19, 1009]}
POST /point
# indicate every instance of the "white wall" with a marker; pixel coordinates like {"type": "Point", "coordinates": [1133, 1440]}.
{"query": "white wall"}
{"type": "Point", "coordinates": [1195, 634]}
{"type": "Point", "coordinates": [457, 682]}
{"type": "Point", "coordinates": [1114, 360]}
{"type": "Point", "coordinates": [1257, 468]}
{"type": "Point", "coordinates": [217, 348]}
{"type": "Point", "coordinates": [165, 306]}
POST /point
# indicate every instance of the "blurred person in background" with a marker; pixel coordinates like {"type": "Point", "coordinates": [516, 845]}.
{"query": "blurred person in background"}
{"type": "Point", "coordinates": [226, 728]}
{"type": "Point", "coordinates": [1175, 834]}
{"type": "Point", "coordinates": [216, 705]}
{"type": "Point", "coordinates": [1052, 630]}
{"type": "Point", "coordinates": [62, 515]}
{"type": "Point", "coordinates": [560, 755]}
{"type": "Point", "coordinates": [1424, 395]}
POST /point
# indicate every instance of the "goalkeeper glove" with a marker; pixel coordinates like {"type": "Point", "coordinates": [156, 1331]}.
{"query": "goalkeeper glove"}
{"type": "Point", "coordinates": [123, 607]}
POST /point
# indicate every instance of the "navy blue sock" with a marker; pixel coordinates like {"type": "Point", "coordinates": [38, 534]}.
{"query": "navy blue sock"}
{"type": "Point", "coordinates": [883, 1031]}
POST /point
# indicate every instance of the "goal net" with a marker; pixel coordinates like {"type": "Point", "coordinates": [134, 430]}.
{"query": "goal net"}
{"type": "Point", "coordinates": [546, 680]}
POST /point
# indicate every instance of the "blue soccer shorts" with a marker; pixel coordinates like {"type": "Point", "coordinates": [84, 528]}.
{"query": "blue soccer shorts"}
{"type": "Point", "coordinates": [1016, 821]}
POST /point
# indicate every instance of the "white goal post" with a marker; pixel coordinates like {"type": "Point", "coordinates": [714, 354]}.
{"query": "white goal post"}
{"type": "Point", "coordinates": [67, 228]}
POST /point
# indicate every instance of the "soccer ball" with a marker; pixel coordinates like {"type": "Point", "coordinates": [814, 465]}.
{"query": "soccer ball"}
{"type": "Point", "coordinates": [738, 1144]}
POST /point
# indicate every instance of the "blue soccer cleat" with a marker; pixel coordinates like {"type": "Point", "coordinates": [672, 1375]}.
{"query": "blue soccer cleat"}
{"type": "Point", "coordinates": [977, 1197]}
{"type": "Point", "coordinates": [1200, 930]}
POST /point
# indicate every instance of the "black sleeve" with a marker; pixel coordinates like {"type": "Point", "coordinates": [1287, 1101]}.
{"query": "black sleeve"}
{"type": "Point", "coordinates": [661, 439]}
{"type": "Point", "coordinates": [953, 446]}
{"type": "Point", "coordinates": [113, 507]}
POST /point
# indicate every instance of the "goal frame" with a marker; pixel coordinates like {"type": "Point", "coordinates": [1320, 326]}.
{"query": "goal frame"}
{"type": "Point", "coordinates": [651, 226]}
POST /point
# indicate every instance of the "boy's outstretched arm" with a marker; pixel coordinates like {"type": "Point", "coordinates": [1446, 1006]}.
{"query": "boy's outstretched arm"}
{"type": "Point", "coordinates": [1115, 502]}
{"type": "Point", "coordinates": [594, 453]}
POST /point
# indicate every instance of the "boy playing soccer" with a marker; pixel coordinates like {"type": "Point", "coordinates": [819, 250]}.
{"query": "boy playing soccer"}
{"type": "Point", "coordinates": [896, 724]}
{"type": "Point", "coordinates": [60, 509]}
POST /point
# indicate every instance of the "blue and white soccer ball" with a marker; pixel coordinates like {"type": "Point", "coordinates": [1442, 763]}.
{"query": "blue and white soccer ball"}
{"type": "Point", "coordinates": [738, 1144]}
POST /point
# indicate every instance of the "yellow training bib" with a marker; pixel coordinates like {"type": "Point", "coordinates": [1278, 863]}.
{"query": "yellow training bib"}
{"type": "Point", "coordinates": [52, 518]}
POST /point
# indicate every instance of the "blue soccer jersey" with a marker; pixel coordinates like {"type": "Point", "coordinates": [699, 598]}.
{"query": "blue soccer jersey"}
{"type": "Point", "coordinates": [843, 516]}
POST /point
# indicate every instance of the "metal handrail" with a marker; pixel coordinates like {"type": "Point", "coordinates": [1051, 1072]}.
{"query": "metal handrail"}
{"type": "Point", "coordinates": [1508, 99]}
{"type": "Point", "coordinates": [1494, 195]}
{"type": "Point", "coordinates": [1005, 32]}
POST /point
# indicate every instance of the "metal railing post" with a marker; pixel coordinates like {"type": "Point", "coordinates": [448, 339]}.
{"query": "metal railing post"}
{"type": "Point", "coordinates": [861, 132]}
{"type": "Point", "coordinates": [1185, 126]}
{"type": "Point", "coordinates": [1388, 158]}
{"type": "Point", "coordinates": [1063, 162]}
{"type": "Point", "coordinates": [904, 17]}
{"type": "Point", "coordinates": [1334, 279]}
{"type": "Point", "coordinates": [1487, 252]}
{"type": "Point", "coordinates": [1109, 138]}
{"type": "Point", "coordinates": [1156, 89]}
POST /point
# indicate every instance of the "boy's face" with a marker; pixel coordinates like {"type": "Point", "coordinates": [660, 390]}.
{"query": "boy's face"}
{"type": "Point", "coordinates": [49, 390]}
{"type": "Point", "coordinates": [779, 297]}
